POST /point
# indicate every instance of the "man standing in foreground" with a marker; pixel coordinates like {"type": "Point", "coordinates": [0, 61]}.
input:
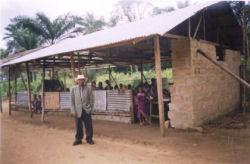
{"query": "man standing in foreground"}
{"type": "Point", "coordinates": [81, 106]}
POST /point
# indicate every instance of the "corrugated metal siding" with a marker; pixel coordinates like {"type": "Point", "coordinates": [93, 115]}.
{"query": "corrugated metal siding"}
{"type": "Point", "coordinates": [64, 100]}
{"type": "Point", "coordinates": [119, 101]}
{"type": "Point", "coordinates": [22, 98]}
{"type": "Point", "coordinates": [100, 99]}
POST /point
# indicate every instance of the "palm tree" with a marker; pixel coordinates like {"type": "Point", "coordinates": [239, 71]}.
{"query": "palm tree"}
{"type": "Point", "coordinates": [19, 39]}
{"type": "Point", "coordinates": [51, 31]}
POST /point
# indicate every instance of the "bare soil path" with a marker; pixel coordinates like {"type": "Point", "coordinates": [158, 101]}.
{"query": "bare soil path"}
{"type": "Point", "coordinates": [28, 141]}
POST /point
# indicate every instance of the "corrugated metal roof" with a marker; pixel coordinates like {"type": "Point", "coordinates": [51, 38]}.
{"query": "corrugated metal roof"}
{"type": "Point", "coordinates": [156, 25]}
{"type": "Point", "coordinates": [20, 54]}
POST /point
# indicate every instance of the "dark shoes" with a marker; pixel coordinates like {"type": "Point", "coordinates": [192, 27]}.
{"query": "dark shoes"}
{"type": "Point", "coordinates": [77, 143]}
{"type": "Point", "coordinates": [91, 142]}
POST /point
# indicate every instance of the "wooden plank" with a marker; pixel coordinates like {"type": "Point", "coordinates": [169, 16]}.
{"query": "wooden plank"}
{"type": "Point", "coordinates": [159, 83]}
{"type": "Point", "coordinates": [52, 100]}
{"type": "Point", "coordinates": [174, 36]}
{"type": "Point", "coordinates": [28, 86]}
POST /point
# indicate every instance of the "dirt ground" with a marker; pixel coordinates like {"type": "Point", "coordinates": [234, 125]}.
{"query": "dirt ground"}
{"type": "Point", "coordinates": [26, 140]}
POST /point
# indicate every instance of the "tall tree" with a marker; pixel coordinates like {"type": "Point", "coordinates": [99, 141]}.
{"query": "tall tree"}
{"type": "Point", "coordinates": [184, 4]}
{"type": "Point", "coordinates": [3, 53]}
{"type": "Point", "coordinates": [158, 10]}
{"type": "Point", "coordinates": [51, 31]}
{"type": "Point", "coordinates": [91, 24]}
{"type": "Point", "coordinates": [20, 39]}
{"type": "Point", "coordinates": [132, 10]}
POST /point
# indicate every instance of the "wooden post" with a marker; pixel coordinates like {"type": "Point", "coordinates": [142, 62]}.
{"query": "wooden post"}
{"type": "Point", "coordinates": [23, 81]}
{"type": "Point", "coordinates": [245, 60]}
{"type": "Point", "coordinates": [73, 68]}
{"type": "Point", "coordinates": [109, 74]}
{"type": "Point", "coordinates": [43, 94]}
{"type": "Point", "coordinates": [1, 101]}
{"type": "Point", "coordinates": [28, 86]}
{"type": "Point", "coordinates": [79, 68]}
{"type": "Point", "coordinates": [132, 107]}
{"type": "Point", "coordinates": [53, 69]}
{"type": "Point", "coordinates": [64, 80]}
{"type": "Point", "coordinates": [9, 93]}
{"type": "Point", "coordinates": [189, 27]}
{"type": "Point", "coordinates": [15, 79]}
{"type": "Point", "coordinates": [198, 26]}
{"type": "Point", "coordinates": [204, 26]}
{"type": "Point", "coordinates": [157, 54]}
{"type": "Point", "coordinates": [141, 73]}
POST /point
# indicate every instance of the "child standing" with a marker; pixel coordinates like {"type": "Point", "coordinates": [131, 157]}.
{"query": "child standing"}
{"type": "Point", "coordinates": [141, 99]}
{"type": "Point", "coordinates": [39, 104]}
{"type": "Point", "coordinates": [34, 103]}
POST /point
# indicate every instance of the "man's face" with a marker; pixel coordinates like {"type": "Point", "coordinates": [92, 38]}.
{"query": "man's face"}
{"type": "Point", "coordinates": [80, 82]}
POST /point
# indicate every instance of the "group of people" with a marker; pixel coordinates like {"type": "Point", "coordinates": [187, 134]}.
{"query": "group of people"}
{"type": "Point", "coordinates": [143, 94]}
{"type": "Point", "coordinates": [36, 104]}
{"type": "Point", "coordinates": [109, 87]}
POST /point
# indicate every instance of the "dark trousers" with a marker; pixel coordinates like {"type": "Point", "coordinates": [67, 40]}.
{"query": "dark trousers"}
{"type": "Point", "coordinates": [86, 118]}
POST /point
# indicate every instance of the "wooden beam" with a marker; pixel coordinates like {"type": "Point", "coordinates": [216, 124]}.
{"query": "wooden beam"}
{"type": "Point", "coordinates": [28, 86]}
{"type": "Point", "coordinates": [197, 27]}
{"type": "Point", "coordinates": [204, 25]}
{"type": "Point", "coordinates": [159, 83]}
{"type": "Point", "coordinates": [174, 36]}
{"type": "Point", "coordinates": [224, 69]}
{"type": "Point", "coordinates": [73, 68]}
{"type": "Point", "coordinates": [23, 80]}
{"type": "Point", "coordinates": [43, 94]}
{"type": "Point", "coordinates": [9, 92]}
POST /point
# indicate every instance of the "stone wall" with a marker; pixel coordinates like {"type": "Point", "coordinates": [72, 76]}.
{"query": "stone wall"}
{"type": "Point", "coordinates": [201, 91]}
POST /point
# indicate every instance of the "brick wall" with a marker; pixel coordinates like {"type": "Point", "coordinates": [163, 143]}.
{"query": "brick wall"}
{"type": "Point", "coordinates": [201, 90]}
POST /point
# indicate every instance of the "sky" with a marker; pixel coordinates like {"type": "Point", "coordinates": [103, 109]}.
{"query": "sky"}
{"type": "Point", "coordinates": [54, 8]}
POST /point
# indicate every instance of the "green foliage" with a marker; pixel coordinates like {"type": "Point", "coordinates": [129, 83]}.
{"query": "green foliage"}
{"type": "Point", "coordinates": [50, 30]}
{"type": "Point", "coordinates": [20, 39]}
{"type": "Point", "coordinates": [92, 24]}
{"type": "Point", "coordinates": [134, 79]}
